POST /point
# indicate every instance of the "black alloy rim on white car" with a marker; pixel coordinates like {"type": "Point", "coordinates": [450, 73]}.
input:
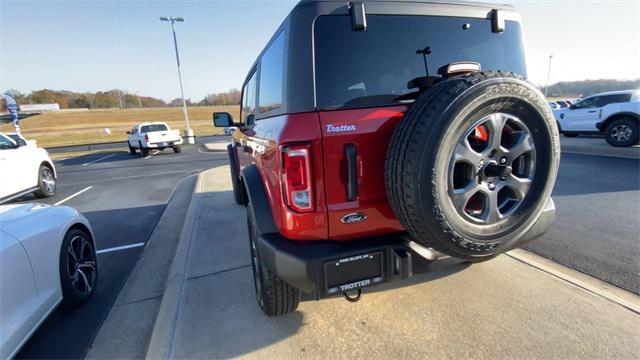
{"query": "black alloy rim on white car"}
{"type": "Point", "coordinates": [81, 265]}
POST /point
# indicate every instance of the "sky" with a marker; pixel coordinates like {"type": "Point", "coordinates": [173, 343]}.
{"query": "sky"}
{"type": "Point", "coordinates": [100, 45]}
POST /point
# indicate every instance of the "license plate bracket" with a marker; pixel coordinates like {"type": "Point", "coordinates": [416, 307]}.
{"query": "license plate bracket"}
{"type": "Point", "coordinates": [354, 272]}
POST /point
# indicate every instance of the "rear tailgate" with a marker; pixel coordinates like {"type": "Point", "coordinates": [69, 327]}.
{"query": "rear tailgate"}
{"type": "Point", "coordinates": [168, 136]}
{"type": "Point", "coordinates": [366, 132]}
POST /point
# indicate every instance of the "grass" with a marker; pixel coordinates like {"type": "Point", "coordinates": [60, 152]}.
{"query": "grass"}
{"type": "Point", "coordinates": [84, 127]}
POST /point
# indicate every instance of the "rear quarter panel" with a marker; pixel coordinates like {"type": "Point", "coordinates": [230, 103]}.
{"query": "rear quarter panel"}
{"type": "Point", "coordinates": [260, 145]}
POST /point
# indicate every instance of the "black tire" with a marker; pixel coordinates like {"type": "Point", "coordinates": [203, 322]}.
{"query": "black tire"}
{"type": "Point", "coordinates": [420, 158]}
{"type": "Point", "coordinates": [78, 268]}
{"type": "Point", "coordinates": [622, 132]}
{"type": "Point", "coordinates": [274, 296]}
{"type": "Point", "coordinates": [571, 135]}
{"type": "Point", "coordinates": [132, 150]}
{"type": "Point", "coordinates": [239, 196]}
{"type": "Point", "coordinates": [177, 149]}
{"type": "Point", "coordinates": [46, 182]}
{"type": "Point", "coordinates": [144, 151]}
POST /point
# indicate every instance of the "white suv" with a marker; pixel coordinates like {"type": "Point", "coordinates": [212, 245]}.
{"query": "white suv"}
{"type": "Point", "coordinates": [614, 114]}
{"type": "Point", "coordinates": [24, 168]}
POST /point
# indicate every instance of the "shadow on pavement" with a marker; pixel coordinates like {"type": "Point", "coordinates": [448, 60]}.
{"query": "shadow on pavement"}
{"type": "Point", "coordinates": [69, 333]}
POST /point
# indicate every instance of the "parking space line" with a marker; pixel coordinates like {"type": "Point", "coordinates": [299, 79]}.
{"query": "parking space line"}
{"type": "Point", "coordinates": [150, 155]}
{"type": "Point", "coordinates": [73, 195]}
{"type": "Point", "coordinates": [118, 248]}
{"type": "Point", "coordinates": [99, 159]}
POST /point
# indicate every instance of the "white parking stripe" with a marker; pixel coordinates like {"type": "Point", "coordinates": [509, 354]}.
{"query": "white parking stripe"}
{"type": "Point", "coordinates": [118, 248]}
{"type": "Point", "coordinates": [72, 196]}
{"type": "Point", "coordinates": [96, 160]}
{"type": "Point", "coordinates": [153, 153]}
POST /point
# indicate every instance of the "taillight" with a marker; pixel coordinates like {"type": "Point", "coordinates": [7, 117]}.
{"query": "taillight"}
{"type": "Point", "coordinates": [146, 137]}
{"type": "Point", "coordinates": [296, 177]}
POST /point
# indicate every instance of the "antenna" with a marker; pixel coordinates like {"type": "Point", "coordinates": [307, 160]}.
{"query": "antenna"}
{"type": "Point", "coordinates": [426, 51]}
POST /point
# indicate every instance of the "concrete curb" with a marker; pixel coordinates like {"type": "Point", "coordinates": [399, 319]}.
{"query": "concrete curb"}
{"type": "Point", "coordinates": [216, 146]}
{"type": "Point", "coordinates": [127, 327]}
{"type": "Point", "coordinates": [161, 342]}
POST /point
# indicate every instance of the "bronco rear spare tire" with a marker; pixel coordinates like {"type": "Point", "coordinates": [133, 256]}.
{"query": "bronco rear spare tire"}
{"type": "Point", "coordinates": [472, 165]}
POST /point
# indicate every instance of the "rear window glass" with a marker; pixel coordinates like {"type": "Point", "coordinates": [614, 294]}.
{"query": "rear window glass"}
{"type": "Point", "coordinates": [152, 128]}
{"type": "Point", "coordinates": [372, 67]}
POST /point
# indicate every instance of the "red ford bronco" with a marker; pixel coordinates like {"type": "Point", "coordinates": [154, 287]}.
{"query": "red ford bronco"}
{"type": "Point", "coordinates": [374, 135]}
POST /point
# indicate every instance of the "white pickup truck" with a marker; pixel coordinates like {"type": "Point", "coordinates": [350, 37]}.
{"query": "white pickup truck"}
{"type": "Point", "coordinates": [615, 114]}
{"type": "Point", "coordinates": [153, 135]}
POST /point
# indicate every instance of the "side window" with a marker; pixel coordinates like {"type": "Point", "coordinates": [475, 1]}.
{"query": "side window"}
{"type": "Point", "coordinates": [6, 143]}
{"type": "Point", "coordinates": [271, 75]}
{"type": "Point", "coordinates": [615, 99]}
{"type": "Point", "coordinates": [588, 103]}
{"type": "Point", "coordinates": [249, 101]}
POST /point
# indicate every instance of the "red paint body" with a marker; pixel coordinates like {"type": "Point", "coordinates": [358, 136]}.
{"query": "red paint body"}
{"type": "Point", "coordinates": [261, 145]}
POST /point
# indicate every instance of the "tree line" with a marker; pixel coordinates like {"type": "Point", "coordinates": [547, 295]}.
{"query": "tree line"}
{"type": "Point", "coordinates": [113, 99]}
{"type": "Point", "coordinates": [572, 89]}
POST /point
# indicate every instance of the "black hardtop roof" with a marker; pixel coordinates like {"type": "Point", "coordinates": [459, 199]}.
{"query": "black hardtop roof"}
{"type": "Point", "coordinates": [486, 5]}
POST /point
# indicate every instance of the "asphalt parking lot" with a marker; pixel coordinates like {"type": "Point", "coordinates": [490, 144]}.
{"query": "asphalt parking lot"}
{"type": "Point", "coordinates": [123, 197]}
{"type": "Point", "coordinates": [596, 232]}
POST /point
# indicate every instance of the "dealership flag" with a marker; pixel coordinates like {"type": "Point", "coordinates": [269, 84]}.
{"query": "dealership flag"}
{"type": "Point", "coordinates": [12, 106]}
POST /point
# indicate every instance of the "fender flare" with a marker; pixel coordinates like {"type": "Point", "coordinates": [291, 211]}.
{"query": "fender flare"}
{"type": "Point", "coordinates": [602, 125]}
{"type": "Point", "coordinates": [257, 195]}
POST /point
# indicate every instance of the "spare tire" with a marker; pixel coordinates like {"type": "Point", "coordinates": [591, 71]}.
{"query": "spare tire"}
{"type": "Point", "coordinates": [473, 163]}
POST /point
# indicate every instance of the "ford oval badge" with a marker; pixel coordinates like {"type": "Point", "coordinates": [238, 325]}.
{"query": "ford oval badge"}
{"type": "Point", "coordinates": [353, 218]}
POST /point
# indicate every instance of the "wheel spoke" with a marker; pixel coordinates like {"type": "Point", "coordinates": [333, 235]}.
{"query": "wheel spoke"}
{"type": "Point", "coordinates": [464, 152]}
{"type": "Point", "coordinates": [496, 124]}
{"type": "Point", "coordinates": [85, 281]}
{"type": "Point", "coordinates": [519, 185]}
{"type": "Point", "coordinates": [88, 264]}
{"type": "Point", "coordinates": [523, 146]}
{"type": "Point", "coordinates": [72, 251]}
{"type": "Point", "coordinates": [460, 197]}
{"type": "Point", "coordinates": [491, 212]}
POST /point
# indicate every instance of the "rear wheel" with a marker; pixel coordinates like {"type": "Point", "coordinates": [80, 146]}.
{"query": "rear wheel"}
{"type": "Point", "coordinates": [472, 165]}
{"type": "Point", "coordinates": [274, 296]}
{"type": "Point", "coordinates": [46, 182]}
{"type": "Point", "coordinates": [78, 268]}
{"type": "Point", "coordinates": [622, 132]}
{"type": "Point", "coordinates": [144, 151]}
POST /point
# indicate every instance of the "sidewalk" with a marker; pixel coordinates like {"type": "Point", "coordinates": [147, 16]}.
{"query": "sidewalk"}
{"type": "Point", "coordinates": [502, 308]}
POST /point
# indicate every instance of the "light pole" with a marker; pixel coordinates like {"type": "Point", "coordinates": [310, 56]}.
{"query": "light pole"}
{"type": "Point", "coordinates": [546, 89]}
{"type": "Point", "coordinates": [188, 132]}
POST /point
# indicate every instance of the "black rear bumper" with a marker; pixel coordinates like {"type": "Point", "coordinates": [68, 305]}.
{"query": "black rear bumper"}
{"type": "Point", "coordinates": [328, 268]}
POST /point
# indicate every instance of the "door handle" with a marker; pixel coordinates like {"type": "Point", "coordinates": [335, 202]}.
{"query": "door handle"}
{"type": "Point", "coordinates": [351, 154]}
{"type": "Point", "coordinates": [592, 111]}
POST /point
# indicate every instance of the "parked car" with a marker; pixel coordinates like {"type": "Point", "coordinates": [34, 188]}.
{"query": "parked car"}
{"type": "Point", "coordinates": [355, 160]}
{"type": "Point", "coordinates": [153, 135]}
{"type": "Point", "coordinates": [562, 103]}
{"type": "Point", "coordinates": [615, 114]}
{"type": "Point", "coordinates": [47, 258]}
{"type": "Point", "coordinates": [25, 169]}
{"type": "Point", "coordinates": [554, 105]}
